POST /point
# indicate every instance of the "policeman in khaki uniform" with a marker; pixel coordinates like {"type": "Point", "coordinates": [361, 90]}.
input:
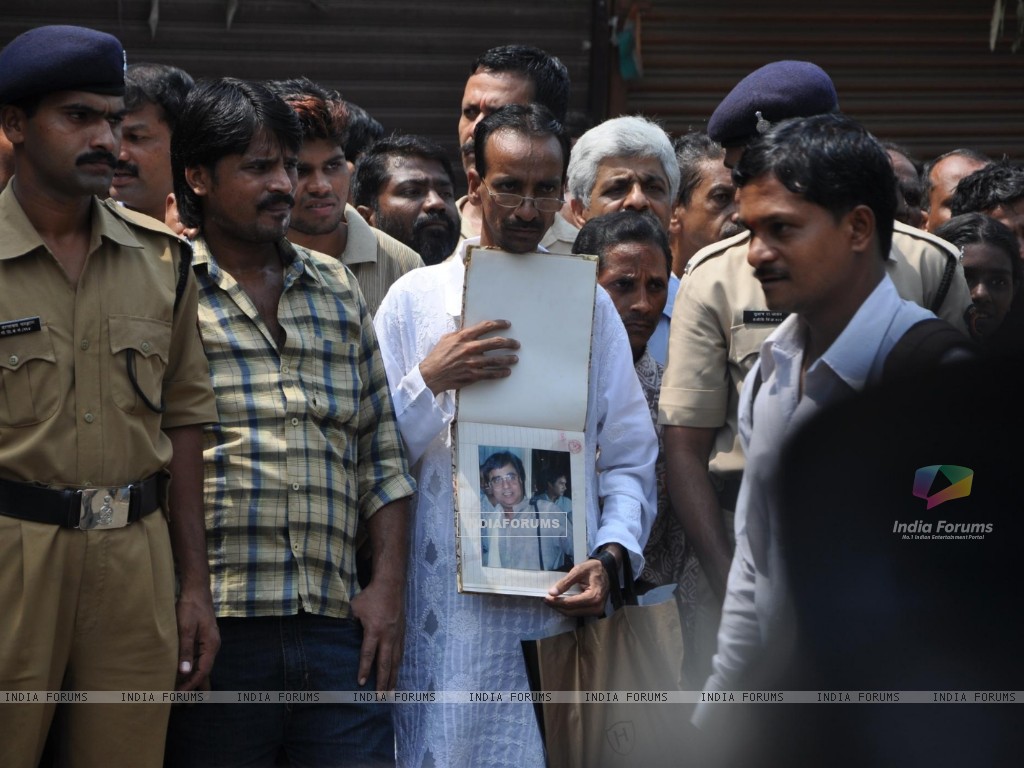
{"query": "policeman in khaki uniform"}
{"type": "Point", "coordinates": [720, 319]}
{"type": "Point", "coordinates": [103, 391]}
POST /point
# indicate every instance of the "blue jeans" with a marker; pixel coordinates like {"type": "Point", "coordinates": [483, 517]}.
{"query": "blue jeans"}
{"type": "Point", "coordinates": [288, 653]}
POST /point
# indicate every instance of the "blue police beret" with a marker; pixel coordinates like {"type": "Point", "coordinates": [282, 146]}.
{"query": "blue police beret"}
{"type": "Point", "coordinates": [61, 58]}
{"type": "Point", "coordinates": [775, 92]}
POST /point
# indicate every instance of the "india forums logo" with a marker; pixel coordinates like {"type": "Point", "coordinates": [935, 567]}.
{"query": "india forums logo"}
{"type": "Point", "coordinates": [940, 483]}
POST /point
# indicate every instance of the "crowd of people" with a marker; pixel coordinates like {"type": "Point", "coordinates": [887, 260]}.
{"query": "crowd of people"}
{"type": "Point", "coordinates": [239, 305]}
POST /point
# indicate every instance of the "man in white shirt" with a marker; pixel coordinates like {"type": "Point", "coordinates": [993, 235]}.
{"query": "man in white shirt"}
{"type": "Point", "coordinates": [818, 195]}
{"type": "Point", "coordinates": [458, 641]}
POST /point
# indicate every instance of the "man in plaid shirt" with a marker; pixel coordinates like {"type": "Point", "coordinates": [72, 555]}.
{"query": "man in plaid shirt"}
{"type": "Point", "coordinates": [306, 447]}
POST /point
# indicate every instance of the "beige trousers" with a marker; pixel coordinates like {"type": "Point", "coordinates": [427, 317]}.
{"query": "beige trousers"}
{"type": "Point", "coordinates": [86, 611]}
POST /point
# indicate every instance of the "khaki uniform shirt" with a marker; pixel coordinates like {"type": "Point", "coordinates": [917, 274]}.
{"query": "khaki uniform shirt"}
{"type": "Point", "coordinates": [375, 258]}
{"type": "Point", "coordinates": [69, 415]}
{"type": "Point", "coordinates": [720, 319]}
{"type": "Point", "coordinates": [560, 237]}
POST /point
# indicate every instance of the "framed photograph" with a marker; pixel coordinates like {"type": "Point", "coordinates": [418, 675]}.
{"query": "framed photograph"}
{"type": "Point", "coordinates": [520, 505]}
{"type": "Point", "coordinates": [520, 526]}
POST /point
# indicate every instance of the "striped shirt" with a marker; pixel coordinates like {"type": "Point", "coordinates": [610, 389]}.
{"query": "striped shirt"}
{"type": "Point", "coordinates": [306, 446]}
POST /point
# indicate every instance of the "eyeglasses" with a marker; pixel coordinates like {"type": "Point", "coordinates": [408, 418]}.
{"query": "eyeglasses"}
{"type": "Point", "coordinates": [542, 204]}
{"type": "Point", "coordinates": [510, 479]}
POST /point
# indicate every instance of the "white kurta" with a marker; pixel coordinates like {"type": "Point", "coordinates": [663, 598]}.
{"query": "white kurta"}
{"type": "Point", "coordinates": [470, 642]}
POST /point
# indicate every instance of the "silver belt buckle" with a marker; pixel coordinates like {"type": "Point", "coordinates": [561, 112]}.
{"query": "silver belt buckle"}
{"type": "Point", "coordinates": [104, 508]}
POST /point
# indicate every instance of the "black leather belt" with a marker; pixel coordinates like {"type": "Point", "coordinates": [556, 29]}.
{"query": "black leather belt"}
{"type": "Point", "coordinates": [84, 508]}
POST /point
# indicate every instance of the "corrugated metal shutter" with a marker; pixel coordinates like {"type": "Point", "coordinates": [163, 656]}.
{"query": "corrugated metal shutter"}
{"type": "Point", "coordinates": [404, 61]}
{"type": "Point", "coordinates": [917, 73]}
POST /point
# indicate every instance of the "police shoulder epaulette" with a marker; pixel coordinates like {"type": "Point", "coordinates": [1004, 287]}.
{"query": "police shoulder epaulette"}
{"type": "Point", "coordinates": [927, 237]}
{"type": "Point", "coordinates": [709, 252]}
{"type": "Point", "coordinates": [148, 222]}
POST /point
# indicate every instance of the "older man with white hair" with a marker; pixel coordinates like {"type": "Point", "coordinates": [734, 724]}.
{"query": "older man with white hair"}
{"type": "Point", "coordinates": [626, 163]}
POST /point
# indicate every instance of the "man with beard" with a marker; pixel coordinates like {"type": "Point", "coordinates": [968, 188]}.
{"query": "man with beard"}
{"type": "Point", "coordinates": [154, 95]}
{"type": "Point", "coordinates": [105, 388]}
{"type": "Point", "coordinates": [704, 213]}
{"type": "Point", "coordinates": [306, 449]}
{"type": "Point", "coordinates": [403, 187]}
{"type": "Point", "coordinates": [322, 219]}
{"type": "Point", "coordinates": [520, 158]}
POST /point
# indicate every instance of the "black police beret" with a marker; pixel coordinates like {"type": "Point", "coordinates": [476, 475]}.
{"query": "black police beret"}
{"type": "Point", "coordinates": [61, 58]}
{"type": "Point", "coordinates": [775, 92]}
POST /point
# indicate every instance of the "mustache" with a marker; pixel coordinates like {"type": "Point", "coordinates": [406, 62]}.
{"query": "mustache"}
{"type": "Point", "coordinates": [636, 317]}
{"type": "Point", "coordinates": [97, 156]}
{"type": "Point", "coordinates": [467, 148]}
{"type": "Point", "coordinates": [427, 219]}
{"type": "Point", "coordinates": [275, 199]}
{"type": "Point", "coordinates": [731, 228]}
{"type": "Point", "coordinates": [767, 273]}
{"type": "Point", "coordinates": [123, 166]}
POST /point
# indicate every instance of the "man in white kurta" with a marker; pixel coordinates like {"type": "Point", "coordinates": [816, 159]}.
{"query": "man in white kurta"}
{"type": "Point", "coordinates": [470, 642]}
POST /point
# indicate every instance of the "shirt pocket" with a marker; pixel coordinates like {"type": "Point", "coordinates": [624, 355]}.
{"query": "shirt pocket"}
{"type": "Point", "coordinates": [333, 386]}
{"type": "Point", "coordinates": [30, 381]}
{"type": "Point", "coordinates": [148, 341]}
{"type": "Point", "coordinates": [745, 344]}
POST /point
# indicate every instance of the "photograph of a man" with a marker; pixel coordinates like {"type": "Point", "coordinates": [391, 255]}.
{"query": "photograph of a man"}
{"type": "Point", "coordinates": [517, 532]}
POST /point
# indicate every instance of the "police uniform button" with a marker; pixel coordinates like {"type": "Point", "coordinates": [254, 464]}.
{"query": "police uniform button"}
{"type": "Point", "coordinates": [13, 359]}
{"type": "Point", "coordinates": [89, 418]}
{"type": "Point", "coordinates": [145, 346]}
{"type": "Point", "coordinates": [84, 344]}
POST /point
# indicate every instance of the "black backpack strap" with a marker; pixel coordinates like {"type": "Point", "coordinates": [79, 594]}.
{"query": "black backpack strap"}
{"type": "Point", "coordinates": [925, 345]}
{"type": "Point", "coordinates": [184, 265]}
{"type": "Point", "coordinates": [945, 283]}
{"type": "Point", "coordinates": [758, 381]}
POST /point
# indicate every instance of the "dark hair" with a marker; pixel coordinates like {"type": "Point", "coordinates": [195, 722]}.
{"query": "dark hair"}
{"type": "Point", "coordinates": [693, 150]}
{"type": "Point", "coordinates": [601, 233]}
{"type": "Point", "coordinates": [321, 112]}
{"type": "Point", "coordinates": [911, 190]}
{"type": "Point", "coordinates": [926, 172]}
{"type": "Point", "coordinates": [159, 84]}
{"type": "Point", "coordinates": [361, 130]}
{"type": "Point", "coordinates": [499, 460]}
{"type": "Point", "coordinates": [221, 118]}
{"type": "Point", "coordinates": [549, 76]}
{"type": "Point", "coordinates": [972, 228]}
{"type": "Point", "coordinates": [899, 149]}
{"type": "Point", "coordinates": [372, 171]}
{"type": "Point", "coordinates": [550, 475]}
{"type": "Point", "coordinates": [532, 120]}
{"type": "Point", "coordinates": [829, 160]}
{"type": "Point", "coordinates": [988, 188]}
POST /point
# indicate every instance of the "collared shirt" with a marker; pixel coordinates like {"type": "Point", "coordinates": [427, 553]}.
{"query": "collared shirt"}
{"type": "Point", "coordinates": [69, 414]}
{"type": "Point", "coordinates": [657, 345]}
{"type": "Point", "coordinates": [535, 536]}
{"type": "Point", "coordinates": [560, 236]}
{"type": "Point", "coordinates": [375, 258]}
{"type": "Point", "coordinates": [307, 442]}
{"type": "Point", "coordinates": [755, 602]}
{"type": "Point", "coordinates": [720, 319]}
